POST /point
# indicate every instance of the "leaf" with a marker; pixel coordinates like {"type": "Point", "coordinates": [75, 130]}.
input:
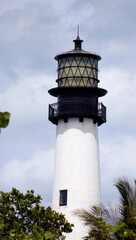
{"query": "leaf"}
{"type": "Point", "coordinates": [4, 119]}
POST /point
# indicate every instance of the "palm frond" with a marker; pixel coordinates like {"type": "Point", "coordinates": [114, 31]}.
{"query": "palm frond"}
{"type": "Point", "coordinates": [127, 201]}
{"type": "Point", "coordinates": [90, 216]}
{"type": "Point", "coordinates": [110, 212]}
{"type": "Point", "coordinates": [125, 190]}
{"type": "Point", "coordinates": [112, 220]}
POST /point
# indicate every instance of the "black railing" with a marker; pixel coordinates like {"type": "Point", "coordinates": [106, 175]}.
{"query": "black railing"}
{"type": "Point", "coordinates": [79, 109]}
{"type": "Point", "coordinates": [101, 113]}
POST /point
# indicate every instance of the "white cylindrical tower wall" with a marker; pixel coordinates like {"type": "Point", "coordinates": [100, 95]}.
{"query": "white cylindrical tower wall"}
{"type": "Point", "coordinates": [76, 170]}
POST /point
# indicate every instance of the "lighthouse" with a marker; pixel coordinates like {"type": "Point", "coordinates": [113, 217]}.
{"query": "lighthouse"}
{"type": "Point", "coordinates": [77, 114]}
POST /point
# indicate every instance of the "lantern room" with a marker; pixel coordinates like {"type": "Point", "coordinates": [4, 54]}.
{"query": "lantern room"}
{"type": "Point", "coordinates": [77, 88]}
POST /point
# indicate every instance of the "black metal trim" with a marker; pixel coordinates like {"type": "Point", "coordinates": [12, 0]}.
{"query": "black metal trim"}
{"type": "Point", "coordinates": [77, 53]}
{"type": "Point", "coordinates": [81, 109]}
{"type": "Point", "coordinates": [62, 78]}
{"type": "Point", "coordinates": [100, 92]}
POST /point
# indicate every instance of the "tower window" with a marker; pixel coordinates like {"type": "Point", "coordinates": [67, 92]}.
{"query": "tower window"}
{"type": "Point", "coordinates": [63, 198]}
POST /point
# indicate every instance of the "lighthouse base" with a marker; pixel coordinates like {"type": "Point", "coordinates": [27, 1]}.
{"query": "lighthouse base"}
{"type": "Point", "coordinates": [76, 175]}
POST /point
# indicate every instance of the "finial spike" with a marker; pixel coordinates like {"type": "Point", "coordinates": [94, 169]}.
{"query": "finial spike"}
{"type": "Point", "coordinates": [78, 30]}
{"type": "Point", "coordinates": [78, 41]}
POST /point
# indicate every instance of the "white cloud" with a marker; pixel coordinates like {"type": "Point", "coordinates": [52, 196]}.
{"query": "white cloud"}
{"type": "Point", "coordinates": [27, 99]}
{"type": "Point", "coordinates": [19, 23]}
{"type": "Point", "coordinates": [120, 100]}
{"type": "Point", "coordinates": [26, 39]}
{"type": "Point", "coordinates": [77, 15]}
{"type": "Point", "coordinates": [8, 5]}
{"type": "Point", "coordinates": [117, 139]}
{"type": "Point", "coordinates": [118, 158]}
{"type": "Point", "coordinates": [34, 173]}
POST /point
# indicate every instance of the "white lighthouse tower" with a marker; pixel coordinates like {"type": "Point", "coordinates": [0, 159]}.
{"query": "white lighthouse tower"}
{"type": "Point", "coordinates": [77, 115]}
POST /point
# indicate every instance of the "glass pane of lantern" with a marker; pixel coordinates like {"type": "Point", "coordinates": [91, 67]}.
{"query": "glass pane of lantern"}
{"type": "Point", "coordinates": [62, 62]}
{"type": "Point", "coordinates": [82, 70]}
{"type": "Point", "coordinates": [70, 60]}
{"type": "Point", "coordinates": [85, 81]}
{"type": "Point", "coordinates": [74, 83]}
{"type": "Point", "coordinates": [94, 82]}
{"type": "Point", "coordinates": [77, 80]}
{"type": "Point", "coordinates": [81, 63]}
{"type": "Point", "coordinates": [59, 83]}
{"type": "Point", "coordinates": [92, 62]}
{"type": "Point", "coordinates": [94, 73]}
{"type": "Point", "coordinates": [66, 71]}
{"type": "Point", "coordinates": [85, 74]}
{"type": "Point", "coordinates": [66, 62]}
{"type": "Point", "coordinates": [59, 63]}
{"type": "Point", "coordinates": [88, 71]}
{"type": "Point", "coordinates": [88, 83]}
{"type": "Point", "coordinates": [82, 83]}
{"type": "Point", "coordinates": [70, 80]}
{"type": "Point", "coordinates": [78, 60]}
{"type": "Point", "coordinates": [86, 61]}
{"type": "Point", "coordinates": [74, 70]}
{"type": "Point", "coordinates": [63, 73]}
{"type": "Point", "coordinates": [60, 73]}
{"type": "Point", "coordinates": [70, 74]}
{"type": "Point", "coordinates": [78, 72]}
{"type": "Point", "coordinates": [96, 64]}
{"type": "Point", "coordinates": [67, 83]}
{"type": "Point", "coordinates": [91, 74]}
{"type": "Point", "coordinates": [74, 62]}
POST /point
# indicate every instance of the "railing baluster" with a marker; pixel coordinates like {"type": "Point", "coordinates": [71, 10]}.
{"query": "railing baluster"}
{"type": "Point", "coordinates": [82, 108]}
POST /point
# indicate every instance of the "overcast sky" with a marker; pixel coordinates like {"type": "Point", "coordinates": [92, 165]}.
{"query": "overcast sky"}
{"type": "Point", "coordinates": [31, 34]}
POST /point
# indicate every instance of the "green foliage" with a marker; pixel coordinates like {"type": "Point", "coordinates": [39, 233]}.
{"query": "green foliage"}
{"type": "Point", "coordinates": [127, 202]}
{"type": "Point", "coordinates": [22, 217]}
{"type": "Point", "coordinates": [109, 222]}
{"type": "Point", "coordinates": [99, 228]}
{"type": "Point", "coordinates": [4, 119]}
{"type": "Point", "coordinates": [122, 232]}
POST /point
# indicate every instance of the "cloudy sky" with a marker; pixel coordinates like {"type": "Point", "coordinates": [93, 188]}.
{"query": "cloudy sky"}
{"type": "Point", "coordinates": [32, 32]}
